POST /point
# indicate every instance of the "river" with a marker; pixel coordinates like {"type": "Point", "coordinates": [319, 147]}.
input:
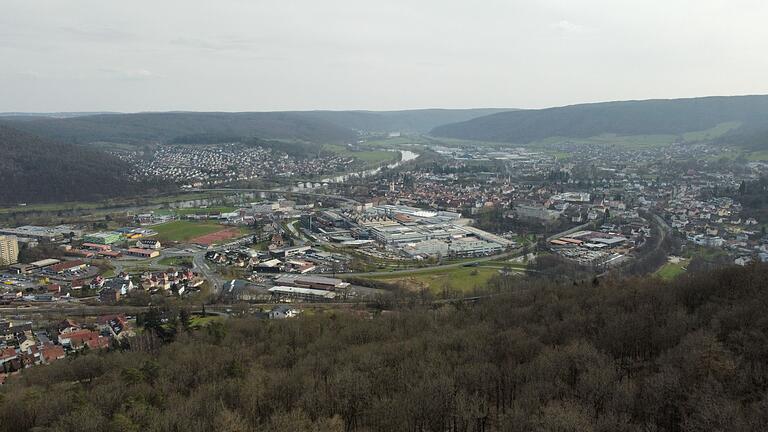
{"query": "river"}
{"type": "Point", "coordinates": [405, 156]}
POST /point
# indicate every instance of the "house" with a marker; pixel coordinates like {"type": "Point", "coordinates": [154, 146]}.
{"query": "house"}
{"type": "Point", "coordinates": [109, 296]}
{"type": "Point", "coordinates": [166, 280]}
{"type": "Point", "coordinates": [143, 253]}
{"type": "Point", "coordinates": [113, 324]}
{"type": "Point", "coordinates": [51, 353]}
{"type": "Point", "coordinates": [283, 311]}
{"type": "Point", "coordinates": [26, 344]}
{"type": "Point", "coordinates": [98, 343]}
{"type": "Point", "coordinates": [81, 338]}
{"type": "Point", "coordinates": [7, 355]}
{"type": "Point", "coordinates": [145, 243]}
{"type": "Point", "coordinates": [122, 283]}
{"type": "Point", "coordinates": [68, 326]}
{"type": "Point", "coordinates": [54, 289]}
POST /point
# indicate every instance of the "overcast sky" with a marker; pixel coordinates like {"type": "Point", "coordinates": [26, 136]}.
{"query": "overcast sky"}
{"type": "Point", "coordinates": [261, 55]}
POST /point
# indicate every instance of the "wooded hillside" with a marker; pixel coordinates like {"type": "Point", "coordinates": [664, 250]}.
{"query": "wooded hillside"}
{"type": "Point", "coordinates": [629, 355]}
{"type": "Point", "coordinates": [35, 170]}
{"type": "Point", "coordinates": [748, 115]}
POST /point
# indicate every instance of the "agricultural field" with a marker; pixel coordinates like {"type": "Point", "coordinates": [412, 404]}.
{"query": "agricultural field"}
{"type": "Point", "coordinates": [185, 230]}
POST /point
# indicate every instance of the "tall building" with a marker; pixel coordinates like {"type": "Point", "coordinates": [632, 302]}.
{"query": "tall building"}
{"type": "Point", "coordinates": [9, 250]}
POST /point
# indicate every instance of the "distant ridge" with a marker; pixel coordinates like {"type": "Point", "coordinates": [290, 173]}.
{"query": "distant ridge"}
{"type": "Point", "coordinates": [306, 126]}
{"type": "Point", "coordinates": [657, 116]}
{"type": "Point", "coordinates": [31, 115]}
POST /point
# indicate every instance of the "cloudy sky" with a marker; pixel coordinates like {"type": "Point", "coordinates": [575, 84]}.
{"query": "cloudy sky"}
{"type": "Point", "coordinates": [259, 55]}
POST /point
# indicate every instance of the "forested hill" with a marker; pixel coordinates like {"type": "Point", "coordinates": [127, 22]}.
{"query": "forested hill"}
{"type": "Point", "coordinates": [307, 126]}
{"type": "Point", "coordinates": [412, 121]}
{"type": "Point", "coordinates": [673, 116]}
{"type": "Point", "coordinates": [596, 355]}
{"type": "Point", "coordinates": [167, 126]}
{"type": "Point", "coordinates": [34, 170]}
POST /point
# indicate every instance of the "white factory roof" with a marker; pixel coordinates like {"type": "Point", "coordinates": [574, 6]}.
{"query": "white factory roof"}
{"type": "Point", "coordinates": [303, 291]}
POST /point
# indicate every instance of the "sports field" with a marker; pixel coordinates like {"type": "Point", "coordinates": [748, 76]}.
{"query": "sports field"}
{"type": "Point", "coordinates": [216, 237]}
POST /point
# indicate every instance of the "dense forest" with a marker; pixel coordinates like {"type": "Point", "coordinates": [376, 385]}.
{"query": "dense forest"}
{"type": "Point", "coordinates": [636, 354]}
{"type": "Point", "coordinates": [34, 170]}
{"type": "Point", "coordinates": [673, 116]}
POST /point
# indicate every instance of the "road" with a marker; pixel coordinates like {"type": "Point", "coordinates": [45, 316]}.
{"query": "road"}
{"type": "Point", "coordinates": [283, 191]}
{"type": "Point", "coordinates": [200, 265]}
{"type": "Point", "coordinates": [511, 254]}
{"type": "Point", "coordinates": [568, 231]}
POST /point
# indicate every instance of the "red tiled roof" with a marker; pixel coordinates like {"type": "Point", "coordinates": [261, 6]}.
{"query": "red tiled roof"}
{"type": "Point", "coordinates": [60, 267]}
{"type": "Point", "coordinates": [79, 337]}
{"type": "Point", "coordinates": [7, 353]}
{"type": "Point", "coordinates": [104, 319]}
{"type": "Point", "coordinates": [99, 343]}
{"type": "Point", "coordinates": [53, 352]}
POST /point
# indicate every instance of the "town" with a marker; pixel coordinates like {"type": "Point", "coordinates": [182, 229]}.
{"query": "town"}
{"type": "Point", "coordinates": [449, 213]}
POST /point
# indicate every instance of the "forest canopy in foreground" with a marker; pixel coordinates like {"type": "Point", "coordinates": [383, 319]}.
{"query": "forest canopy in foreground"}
{"type": "Point", "coordinates": [621, 355]}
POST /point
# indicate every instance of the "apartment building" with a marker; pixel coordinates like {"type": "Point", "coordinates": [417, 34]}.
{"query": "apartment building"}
{"type": "Point", "coordinates": [9, 250]}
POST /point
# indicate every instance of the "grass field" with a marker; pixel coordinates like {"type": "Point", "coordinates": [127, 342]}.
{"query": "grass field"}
{"type": "Point", "coordinates": [370, 157]}
{"type": "Point", "coordinates": [198, 321]}
{"type": "Point", "coordinates": [185, 230]}
{"type": "Point", "coordinates": [178, 261]}
{"type": "Point", "coordinates": [463, 279]}
{"type": "Point", "coordinates": [671, 270]}
{"type": "Point", "coordinates": [375, 156]}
